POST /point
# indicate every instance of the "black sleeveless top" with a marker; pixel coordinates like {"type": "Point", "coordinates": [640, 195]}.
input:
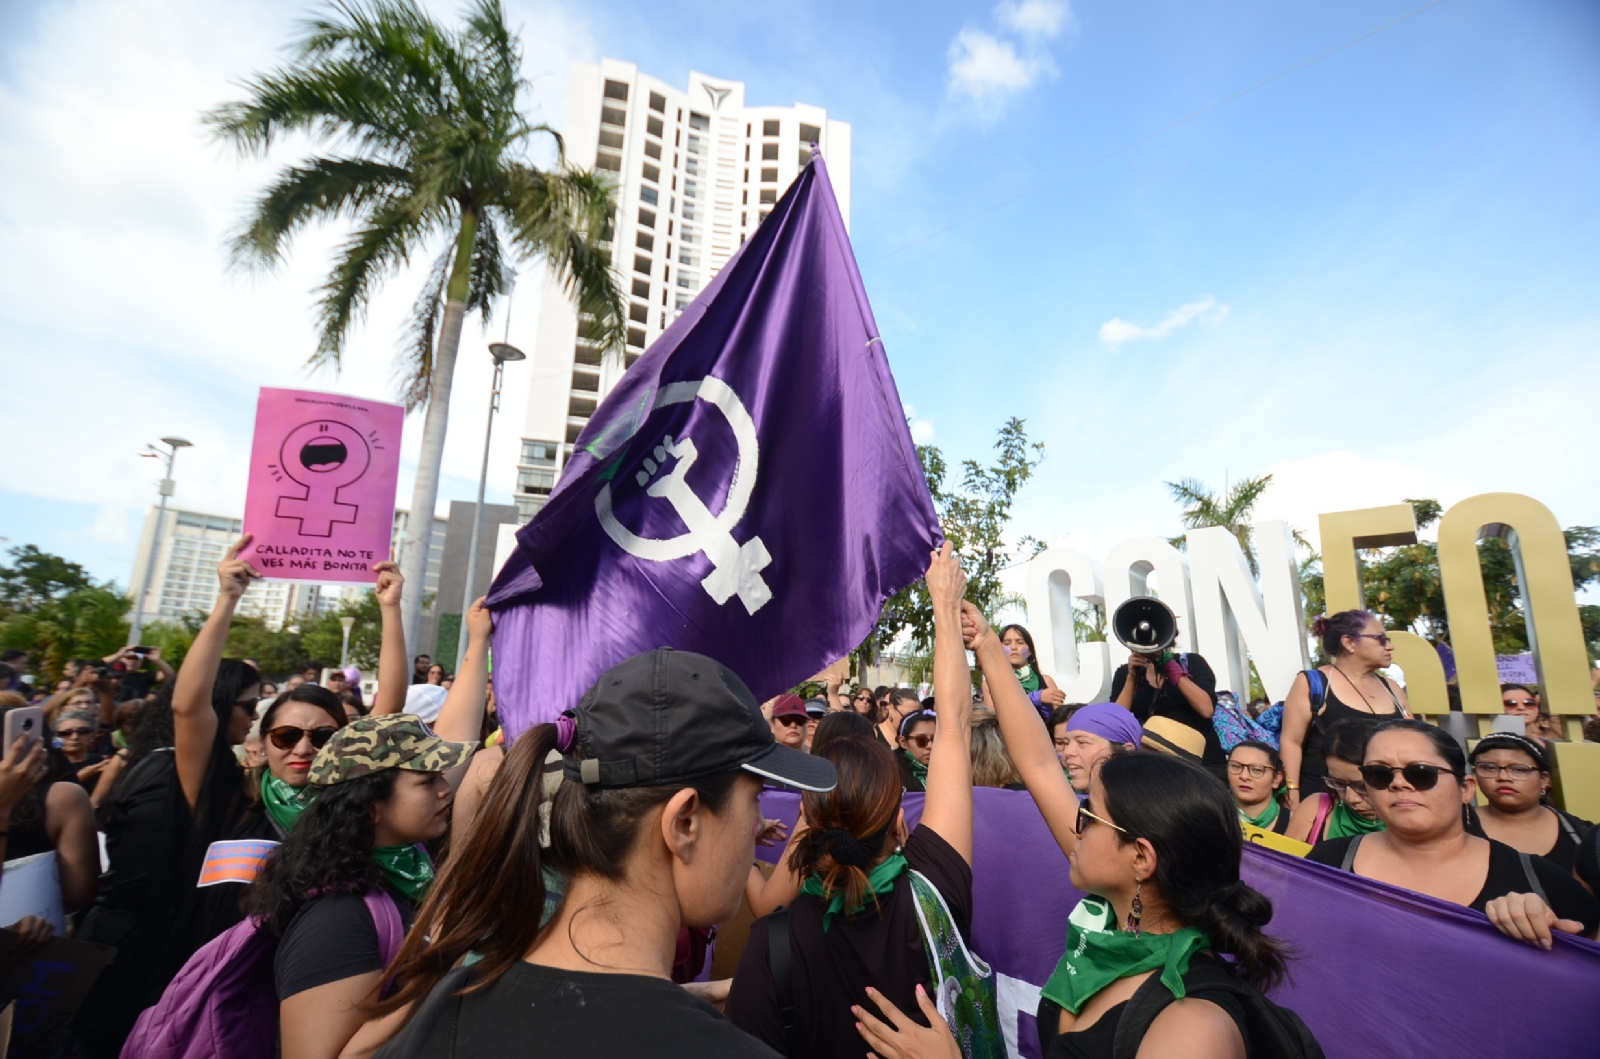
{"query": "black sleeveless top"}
{"type": "Point", "coordinates": [1312, 767]}
{"type": "Point", "coordinates": [1096, 1041]}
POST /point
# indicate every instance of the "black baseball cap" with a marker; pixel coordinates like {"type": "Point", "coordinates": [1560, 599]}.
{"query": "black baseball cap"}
{"type": "Point", "coordinates": [665, 717]}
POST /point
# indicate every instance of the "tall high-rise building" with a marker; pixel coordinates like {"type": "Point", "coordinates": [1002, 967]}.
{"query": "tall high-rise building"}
{"type": "Point", "coordinates": [696, 170]}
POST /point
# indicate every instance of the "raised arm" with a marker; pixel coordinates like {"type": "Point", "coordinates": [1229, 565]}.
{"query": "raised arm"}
{"type": "Point", "coordinates": [461, 716]}
{"type": "Point", "coordinates": [394, 674]}
{"type": "Point", "coordinates": [947, 808]}
{"type": "Point", "coordinates": [194, 722]}
{"type": "Point", "coordinates": [1027, 739]}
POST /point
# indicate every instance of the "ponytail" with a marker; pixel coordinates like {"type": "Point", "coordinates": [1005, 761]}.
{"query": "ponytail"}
{"type": "Point", "coordinates": [848, 827]}
{"type": "Point", "coordinates": [489, 897]}
{"type": "Point", "coordinates": [1191, 821]}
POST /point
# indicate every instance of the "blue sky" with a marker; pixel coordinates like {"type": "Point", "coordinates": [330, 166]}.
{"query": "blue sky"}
{"type": "Point", "coordinates": [1375, 277]}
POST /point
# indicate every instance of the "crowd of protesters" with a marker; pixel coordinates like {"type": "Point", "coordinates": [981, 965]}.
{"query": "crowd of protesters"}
{"type": "Point", "coordinates": [425, 887]}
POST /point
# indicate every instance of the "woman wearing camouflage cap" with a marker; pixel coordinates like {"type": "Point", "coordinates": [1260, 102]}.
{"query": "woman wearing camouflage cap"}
{"type": "Point", "coordinates": [381, 792]}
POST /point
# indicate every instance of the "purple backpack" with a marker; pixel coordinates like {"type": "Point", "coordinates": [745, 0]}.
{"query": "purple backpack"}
{"type": "Point", "coordinates": [224, 1003]}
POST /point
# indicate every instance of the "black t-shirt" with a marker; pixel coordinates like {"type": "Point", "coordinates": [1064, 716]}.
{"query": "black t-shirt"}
{"type": "Point", "coordinates": [543, 1011]}
{"type": "Point", "coordinates": [1168, 701]}
{"type": "Point", "coordinates": [1588, 868]}
{"type": "Point", "coordinates": [881, 947]}
{"type": "Point", "coordinates": [1568, 899]}
{"type": "Point", "coordinates": [1569, 837]}
{"type": "Point", "coordinates": [1098, 1040]}
{"type": "Point", "coordinates": [330, 939]}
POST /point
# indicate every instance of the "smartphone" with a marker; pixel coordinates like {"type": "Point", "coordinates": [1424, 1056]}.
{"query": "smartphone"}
{"type": "Point", "coordinates": [142, 652]}
{"type": "Point", "coordinates": [23, 721]}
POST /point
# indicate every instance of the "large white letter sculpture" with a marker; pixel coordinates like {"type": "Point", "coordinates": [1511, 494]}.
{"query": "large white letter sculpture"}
{"type": "Point", "coordinates": [1056, 577]}
{"type": "Point", "coordinates": [1230, 612]}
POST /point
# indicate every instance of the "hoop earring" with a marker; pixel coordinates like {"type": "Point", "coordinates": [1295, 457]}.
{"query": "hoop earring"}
{"type": "Point", "coordinates": [1136, 912]}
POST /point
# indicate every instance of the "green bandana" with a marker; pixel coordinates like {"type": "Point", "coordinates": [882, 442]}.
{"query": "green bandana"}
{"type": "Point", "coordinates": [879, 881]}
{"type": "Point", "coordinates": [918, 769]}
{"type": "Point", "coordinates": [1343, 822]}
{"type": "Point", "coordinates": [1028, 677]}
{"type": "Point", "coordinates": [1268, 816]}
{"type": "Point", "coordinates": [1099, 954]}
{"type": "Point", "coordinates": [406, 868]}
{"type": "Point", "coordinates": [284, 803]}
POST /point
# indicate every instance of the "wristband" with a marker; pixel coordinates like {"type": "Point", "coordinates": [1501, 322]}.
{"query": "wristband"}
{"type": "Point", "coordinates": [1291, 786]}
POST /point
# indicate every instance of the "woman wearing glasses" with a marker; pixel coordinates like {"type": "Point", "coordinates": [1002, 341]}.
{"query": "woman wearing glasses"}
{"type": "Point", "coordinates": [1255, 773]}
{"type": "Point", "coordinates": [1514, 777]}
{"type": "Point", "coordinates": [1342, 809]}
{"type": "Point", "coordinates": [1349, 686]}
{"type": "Point", "coordinates": [1416, 778]}
{"type": "Point", "coordinates": [1519, 700]}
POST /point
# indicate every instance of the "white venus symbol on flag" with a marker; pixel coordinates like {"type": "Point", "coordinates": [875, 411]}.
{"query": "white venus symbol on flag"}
{"type": "Point", "coordinates": [736, 568]}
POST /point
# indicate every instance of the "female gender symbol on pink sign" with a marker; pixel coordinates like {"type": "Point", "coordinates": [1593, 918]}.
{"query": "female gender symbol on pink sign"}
{"type": "Point", "coordinates": [323, 457]}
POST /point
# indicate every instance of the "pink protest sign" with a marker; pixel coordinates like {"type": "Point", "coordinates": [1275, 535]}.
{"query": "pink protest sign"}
{"type": "Point", "coordinates": [323, 471]}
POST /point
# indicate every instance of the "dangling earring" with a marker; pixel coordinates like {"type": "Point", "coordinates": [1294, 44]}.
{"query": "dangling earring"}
{"type": "Point", "coordinates": [1136, 911]}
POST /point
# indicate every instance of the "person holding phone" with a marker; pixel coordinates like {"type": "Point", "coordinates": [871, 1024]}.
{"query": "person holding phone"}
{"type": "Point", "coordinates": [44, 814]}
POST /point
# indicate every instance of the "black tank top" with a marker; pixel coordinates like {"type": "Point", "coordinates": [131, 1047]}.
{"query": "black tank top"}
{"type": "Point", "coordinates": [1312, 767]}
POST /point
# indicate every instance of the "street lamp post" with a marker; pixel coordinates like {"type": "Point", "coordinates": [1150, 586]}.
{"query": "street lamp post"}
{"type": "Point", "coordinates": [166, 489]}
{"type": "Point", "coordinates": [344, 647]}
{"type": "Point", "coordinates": [501, 352]}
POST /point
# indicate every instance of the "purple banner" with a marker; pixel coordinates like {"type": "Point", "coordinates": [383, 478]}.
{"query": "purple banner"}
{"type": "Point", "coordinates": [748, 491]}
{"type": "Point", "coordinates": [1380, 971]}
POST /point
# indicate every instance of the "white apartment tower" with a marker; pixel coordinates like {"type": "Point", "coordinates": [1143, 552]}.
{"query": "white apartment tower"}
{"type": "Point", "coordinates": [696, 171]}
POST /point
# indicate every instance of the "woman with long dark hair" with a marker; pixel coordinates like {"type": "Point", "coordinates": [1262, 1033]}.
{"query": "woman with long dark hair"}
{"type": "Point", "coordinates": [1352, 689]}
{"type": "Point", "coordinates": [1158, 851]}
{"type": "Point", "coordinates": [1255, 773]}
{"type": "Point", "coordinates": [1417, 781]}
{"type": "Point", "coordinates": [653, 834]}
{"type": "Point", "coordinates": [1040, 687]}
{"type": "Point", "coordinates": [855, 922]}
{"type": "Point", "coordinates": [351, 871]}
{"type": "Point", "coordinates": [1513, 775]}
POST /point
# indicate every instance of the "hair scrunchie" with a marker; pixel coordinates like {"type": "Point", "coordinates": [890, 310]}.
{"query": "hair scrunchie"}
{"type": "Point", "coordinates": [846, 848]}
{"type": "Point", "coordinates": [566, 726]}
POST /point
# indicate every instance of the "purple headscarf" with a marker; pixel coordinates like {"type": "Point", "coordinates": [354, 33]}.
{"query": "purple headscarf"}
{"type": "Point", "coordinates": [1109, 721]}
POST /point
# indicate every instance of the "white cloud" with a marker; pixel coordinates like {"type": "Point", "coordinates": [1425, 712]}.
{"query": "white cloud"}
{"type": "Point", "coordinates": [110, 525]}
{"type": "Point", "coordinates": [985, 69]}
{"type": "Point", "coordinates": [921, 429]}
{"type": "Point", "coordinates": [1340, 480]}
{"type": "Point", "coordinates": [1115, 331]}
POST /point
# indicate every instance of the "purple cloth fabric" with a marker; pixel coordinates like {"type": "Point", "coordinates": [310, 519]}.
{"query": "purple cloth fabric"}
{"type": "Point", "coordinates": [1380, 970]}
{"type": "Point", "coordinates": [1109, 721]}
{"type": "Point", "coordinates": [748, 491]}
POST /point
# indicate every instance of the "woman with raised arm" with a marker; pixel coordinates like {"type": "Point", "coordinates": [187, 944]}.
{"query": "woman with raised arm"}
{"type": "Point", "coordinates": [855, 922]}
{"type": "Point", "coordinates": [1157, 849]}
{"type": "Point", "coordinates": [1350, 688]}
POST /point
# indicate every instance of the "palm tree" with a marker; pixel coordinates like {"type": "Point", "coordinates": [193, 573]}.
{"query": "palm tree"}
{"type": "Point", "coordinates": [426, 153]}
{"type": "Point", "coordinates": [1231, 510]}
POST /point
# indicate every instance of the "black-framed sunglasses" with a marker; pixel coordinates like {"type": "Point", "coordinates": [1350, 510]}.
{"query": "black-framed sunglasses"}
{"type": "Point", "coordinates": [287, 736]}
{"type": "Point", "coordinates": [792, 721]}
{"type": "Point", "coordinates": [1085, 817]}
{"type": "Point", "coordinates": [1381, 637]}
{"type": "Point", "coordinates": [1339, 786]}
{"type": "Point", "coordinates": [1420, 776]}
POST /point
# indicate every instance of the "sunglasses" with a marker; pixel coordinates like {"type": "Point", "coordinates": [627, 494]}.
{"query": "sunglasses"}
{"type": "Point", "coordinates": [1382, 638]}
{"type": "Point", "coordinates": [921, 742]}
{"type": "Point", "coordinates": [287, 737]}
{"type": "Point", "coordinates": [1338, 786]}
{"type": "Point", "coordinates": [1421, 777]}
{"type": "Point", "coordinates": [792, 721]}
{"type": "Point", "coordinates": [1085, 816]}
{"type": "Point", "coordinates": [66, 733]}
{"type": "Point", "coordinates": [1515, 703]}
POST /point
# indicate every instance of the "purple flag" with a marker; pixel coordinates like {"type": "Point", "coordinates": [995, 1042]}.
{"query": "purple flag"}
{"type": "Point", "coordinates": [748, 491]}
{"type": "Point", "coordinates": [1380, 970]}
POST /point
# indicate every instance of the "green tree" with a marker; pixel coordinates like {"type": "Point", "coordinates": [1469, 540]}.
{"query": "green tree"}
{"type": "Point", "coordinates": [35, 578]}
{"type": "Point", "coordinates": [321, 638]}
{"type": "Point", "coordinates": [975, 516]}
{"type": "Point", "coordinates": [427, 154]}
{"type": "Point", "coordinates": [87, 622]}
{"type": "Point", "coordinates": [1231, 510]}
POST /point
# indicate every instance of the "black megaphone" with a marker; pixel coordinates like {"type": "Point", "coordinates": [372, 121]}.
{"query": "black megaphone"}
{"type": "Point", "coordinates": [1145, 624]}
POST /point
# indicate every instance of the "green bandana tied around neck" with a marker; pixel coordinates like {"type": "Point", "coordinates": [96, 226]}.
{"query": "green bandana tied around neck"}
{"type": "Point", "coordinates": [284, 803]}
{"type": "Point", "coordinates": [1099, 954]}
{"type": "Point", "coordinates": [406, 868]}
{"type": "Point", "coordinates": [918, 769]}
{"type": "Point", "coordinates": [1028, 677]}
{"type": "Point", "coordinates": [880, 880]}
{"type": "Point", "coordinates": [1344, 822]}
{"type": "Point", "coordinates": [1268, 817]}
